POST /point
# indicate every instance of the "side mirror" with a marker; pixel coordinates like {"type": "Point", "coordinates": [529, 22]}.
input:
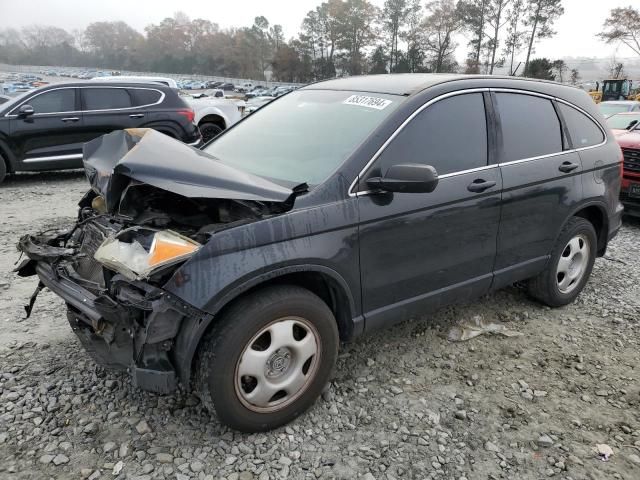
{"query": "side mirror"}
{"type": "Point", "coordinates": [25, 111]}
{"type": "Point", "coordinates": [406, 178]}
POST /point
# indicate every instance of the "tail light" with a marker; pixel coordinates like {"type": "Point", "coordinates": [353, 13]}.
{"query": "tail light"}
{"type": "Point", "coordinates": [187, 113]}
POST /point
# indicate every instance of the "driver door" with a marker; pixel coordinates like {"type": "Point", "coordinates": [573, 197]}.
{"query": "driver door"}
{"type": "Point", "coordinates": [51, 136]}
{"type": "Point", "coordinates": [420, 251]}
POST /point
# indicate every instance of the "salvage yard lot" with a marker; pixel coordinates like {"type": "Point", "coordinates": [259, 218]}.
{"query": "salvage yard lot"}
{"type": "Point", "coordinates": [404, 403]}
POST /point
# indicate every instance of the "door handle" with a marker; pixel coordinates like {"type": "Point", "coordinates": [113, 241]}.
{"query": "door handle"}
{"type": "Point", "coordinates": [567, 167]}
{"type": "Point", "coordinates": [479, 185]}
{"type": "Point", "coordinates": [136, 115]}
{"type": "Point", "coordinates": [70, 119]}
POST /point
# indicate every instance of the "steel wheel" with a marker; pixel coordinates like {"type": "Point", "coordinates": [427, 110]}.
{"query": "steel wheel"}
{"type": "Point", "coordinates": [573, 263]}
{"type": "Point", "coordinates": [276, 365]}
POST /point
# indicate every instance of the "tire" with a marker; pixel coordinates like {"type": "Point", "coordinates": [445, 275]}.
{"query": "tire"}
{"type": "Point", "coordinates": [210, 131]}
{"type": "Point", "coordinates": [3, 169]}
{"type": "Point", "coordinates": [570, 265]}
{"type": "Point", "coordinates": [257, 381]}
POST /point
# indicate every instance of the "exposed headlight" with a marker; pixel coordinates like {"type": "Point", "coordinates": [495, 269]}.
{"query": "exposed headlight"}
{"type": "Point", "coordinates": [137, 252]}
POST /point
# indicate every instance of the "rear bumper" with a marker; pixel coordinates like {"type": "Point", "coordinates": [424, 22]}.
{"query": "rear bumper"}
{"type": "Point", "coordinates": [132, 326]}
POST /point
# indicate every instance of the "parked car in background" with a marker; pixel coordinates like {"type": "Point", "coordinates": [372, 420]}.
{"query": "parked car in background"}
{"type": "Point", "coordinates": [45, 129]}
{"type": "Point", "coordinates": [626, 127]}
{"type": "Point", "coordinates": [623, 122]}
{"type": "Point", "coordinates": [226, 87]}
{"type": "Point", "coordinates": [618, 106]}
{"type": "Point", "coordinates": [343, 207]}
{"type": "Point", "coordinates": [244, 87]}
{"type": "Point", "coordinates": [213, 114]}
{"type": "Point", "coordinates": [255, 103]}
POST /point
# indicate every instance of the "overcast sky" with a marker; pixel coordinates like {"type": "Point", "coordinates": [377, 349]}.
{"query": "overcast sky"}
{"type": "Point", "coordinates": [576, 28]}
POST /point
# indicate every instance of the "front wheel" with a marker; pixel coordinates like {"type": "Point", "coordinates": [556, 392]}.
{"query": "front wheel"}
{"type": "Point", "coordinates": [210, 131]}
{"type": "Point", "coordinates": [268, 358]}
{"type": "Point", "coordinates": [570, 265]}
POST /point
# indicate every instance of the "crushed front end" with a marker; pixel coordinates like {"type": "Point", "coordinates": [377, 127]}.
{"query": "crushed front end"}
{"type": "Point", "coordinates": [153, 202]}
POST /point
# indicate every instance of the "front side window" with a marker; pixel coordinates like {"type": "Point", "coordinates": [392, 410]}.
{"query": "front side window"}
{"type": "Point", "coordinates": [304, 136]}
{"type": "Point", "coordinates": [450, 135]}
{"type": "Point", "coordinates": [55, 101]}
{"type": "Point", "coordinates": [530, 126]}
{"type": "Point", "coordinates": [105, 98]}
{"type": "Point", "coordinates": [583, 131]}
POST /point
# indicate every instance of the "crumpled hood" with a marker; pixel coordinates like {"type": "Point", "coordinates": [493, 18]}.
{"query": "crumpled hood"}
{"type": "Point", "coordinates": [150, 157]}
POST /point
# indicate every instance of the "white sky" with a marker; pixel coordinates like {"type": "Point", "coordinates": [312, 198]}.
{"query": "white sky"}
{"type": "Point", "coordinates": [576, 28]}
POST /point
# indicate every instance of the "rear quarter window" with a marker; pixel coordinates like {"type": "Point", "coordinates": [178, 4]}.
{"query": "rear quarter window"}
{"type": "Point", "coordinates": [583, 131]}
{"type": "Point", "coordinates": [144, 96]}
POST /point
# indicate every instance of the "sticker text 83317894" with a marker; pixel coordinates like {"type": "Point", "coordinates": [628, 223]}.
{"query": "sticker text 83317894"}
{"type": "Point", "coordinates": [366, 101]}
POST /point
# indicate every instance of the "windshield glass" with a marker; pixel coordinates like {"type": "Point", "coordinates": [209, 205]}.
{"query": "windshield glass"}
{"type": "Point", "coordinates": [622, 122]}
{"type": "Point", "coordinates": [303, 136]}
{"type": "Point", "coordinates": [613, 108]}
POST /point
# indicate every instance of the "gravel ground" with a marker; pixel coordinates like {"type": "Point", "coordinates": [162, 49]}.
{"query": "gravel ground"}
{"type": "Point", "coordinates": [404, 403]}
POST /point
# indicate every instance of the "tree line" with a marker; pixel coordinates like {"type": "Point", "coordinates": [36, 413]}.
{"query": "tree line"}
{"type": "Point", "coordinates": [338, 37]}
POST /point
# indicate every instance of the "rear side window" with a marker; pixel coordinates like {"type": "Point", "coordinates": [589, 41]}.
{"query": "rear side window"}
{"type": "Point", "coordinates": [105, 98]}
{"type": "Point", "coordinates": [143, 96]}
{"type": "Point", "coordinates": [450, 135]}
{"type": "Point", "coordinates": [530, 126]}
{"type": "Point", "coordinates": [56, 101]}
{"type": "Point", "coordinates": [583, 131]}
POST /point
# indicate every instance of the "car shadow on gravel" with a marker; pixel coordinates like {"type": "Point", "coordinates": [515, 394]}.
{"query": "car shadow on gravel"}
{"type": "Point", "coordinates": [25, 179]}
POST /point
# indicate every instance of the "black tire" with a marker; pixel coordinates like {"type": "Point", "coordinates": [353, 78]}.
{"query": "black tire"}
{"type": "Point", "coordinates": [545, 287]}
{"type": "Point", "coordinates": [210, 131]}
{"type": "Point", "coordinates": [3, 169]}
{"type": "Point", "coordinates": [217, 381]}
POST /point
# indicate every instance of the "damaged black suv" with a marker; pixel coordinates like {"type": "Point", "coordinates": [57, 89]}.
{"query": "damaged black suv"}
{"type": "Point", "coordinates": [340, 208]}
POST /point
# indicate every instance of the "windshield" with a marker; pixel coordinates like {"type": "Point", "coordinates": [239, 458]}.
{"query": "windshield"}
{"type": "Point", "coordinates": [622, 122]}
{"type": "Point", "coordinates": [305, 135]}
{"type": "Point", "coordinates": [613, 108]}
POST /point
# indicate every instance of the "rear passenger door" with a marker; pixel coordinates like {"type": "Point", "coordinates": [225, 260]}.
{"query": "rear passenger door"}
{"type": "Point", "coordinates": [541, 182]}
{"type": "Point", "coordinates": [419, 251]}
{"type": "Point", "coordinates": [106, 109]}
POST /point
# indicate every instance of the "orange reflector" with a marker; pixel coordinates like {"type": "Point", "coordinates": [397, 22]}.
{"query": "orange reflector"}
{"type": "Point", "coordinates": [164, 249]}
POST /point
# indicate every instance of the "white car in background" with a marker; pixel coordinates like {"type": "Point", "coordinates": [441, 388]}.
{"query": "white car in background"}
{"type": "Point", "coordinates": [213, 114]}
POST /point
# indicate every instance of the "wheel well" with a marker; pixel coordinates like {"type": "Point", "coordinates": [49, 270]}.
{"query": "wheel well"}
{"type": "Point", "coordinates": [215, 119]}
{"type": "Point", "coordinates": [598, 219]}
{"type": "Point", "coordinates": [4, 157]}
{"type": "Point", "coordinates": [323, 285]}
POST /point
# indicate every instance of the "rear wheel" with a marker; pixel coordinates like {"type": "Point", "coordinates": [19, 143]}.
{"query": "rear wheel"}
{"type": "Point", "coordinates": [268, 358]}
{"type": "Point", "coordinates": [570, 265]}
{"type": "Point", "coordinates": [210, 131]}
{"type": "Point", "coordinates": [3, 168]}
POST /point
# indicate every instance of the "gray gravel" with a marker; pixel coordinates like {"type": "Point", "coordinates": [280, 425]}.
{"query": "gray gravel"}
{"type": "Point", "coordinates": [405, 403]}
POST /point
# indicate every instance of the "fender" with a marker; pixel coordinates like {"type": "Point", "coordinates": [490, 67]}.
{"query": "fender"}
{"type": "Point", "coordinates": [602, 207]}
{"type": "Point", "coordinates": [193, 329]}
{"type": "Point", "coordinates": [8, 155]}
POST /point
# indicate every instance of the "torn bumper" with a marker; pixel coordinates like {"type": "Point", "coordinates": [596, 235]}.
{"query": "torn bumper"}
{"type": "Point", "coordinates": [123, 324]}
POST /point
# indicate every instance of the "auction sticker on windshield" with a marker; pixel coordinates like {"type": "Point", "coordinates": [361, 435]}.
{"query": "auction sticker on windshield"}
{"type": "Point", "coordinates": [365, 101]}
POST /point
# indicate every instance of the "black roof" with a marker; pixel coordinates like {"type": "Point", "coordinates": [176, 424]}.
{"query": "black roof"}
{"type": "Point", "coordinates": [402, 83]}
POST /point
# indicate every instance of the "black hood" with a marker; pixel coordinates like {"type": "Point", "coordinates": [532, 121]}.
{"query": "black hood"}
{"type": "Point", "coordinates": [146, 156]}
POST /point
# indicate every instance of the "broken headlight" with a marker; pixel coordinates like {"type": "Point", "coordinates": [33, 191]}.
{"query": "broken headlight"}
{"type": "Point", "coordinates": [138, 252]}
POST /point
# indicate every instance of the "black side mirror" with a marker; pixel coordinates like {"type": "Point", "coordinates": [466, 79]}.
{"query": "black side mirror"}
{"type": "Point", "coordinates": [25, 110]}
{"type": "Point", "coordinates": [406, 178]}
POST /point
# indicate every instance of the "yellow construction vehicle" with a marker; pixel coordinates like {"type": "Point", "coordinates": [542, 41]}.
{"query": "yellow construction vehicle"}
{"type": "Point", "coordinates": [614, 89]}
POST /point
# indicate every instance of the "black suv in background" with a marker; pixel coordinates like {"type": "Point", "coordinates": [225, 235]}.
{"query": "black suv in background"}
{"type": "Point", "coordinates": [46, 128]}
